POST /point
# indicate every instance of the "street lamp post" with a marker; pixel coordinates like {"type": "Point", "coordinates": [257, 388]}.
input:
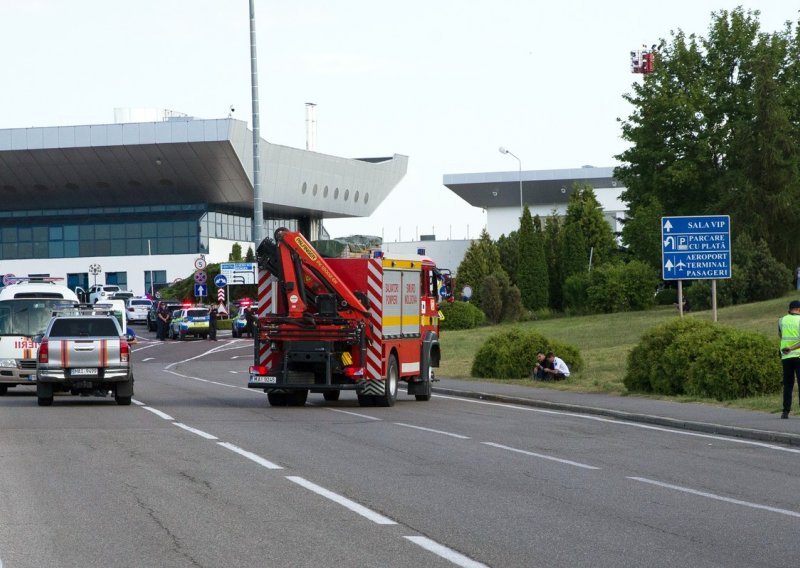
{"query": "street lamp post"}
{"type": "Point", "coordinates": [258, 207]}
{"type": "Point", "coordinates": [510, 153]}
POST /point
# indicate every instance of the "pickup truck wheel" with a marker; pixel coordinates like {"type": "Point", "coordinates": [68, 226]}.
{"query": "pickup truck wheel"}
{"type": "Point", "coordinates": [331, 395]}
{"type": "Point", "coordinates": [44, 394]}
{"type": "Point", "coordinates": [298, 398]}
{"type": "Point", "coordinates": [123, 400]}
{"type": "Point", "coordinates": [390, 384]}
{"type": "Point", "coordinates": [278, 398]}
{"type": "Point", "coordinates": [3, 390]}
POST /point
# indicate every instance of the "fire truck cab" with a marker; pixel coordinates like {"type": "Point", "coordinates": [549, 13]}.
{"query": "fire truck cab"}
{"type": "Point", "coordinates": [361, 324]}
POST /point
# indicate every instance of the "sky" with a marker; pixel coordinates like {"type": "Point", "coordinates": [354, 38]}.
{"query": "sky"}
{"type": "Point", "coordinates": [444, 82]}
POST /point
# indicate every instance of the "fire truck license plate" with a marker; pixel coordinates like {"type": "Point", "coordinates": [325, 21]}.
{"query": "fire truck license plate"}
{"type": "Point", "coordinates": [86, 371]}
{"type": "Point", "coordinates": [263, 379]}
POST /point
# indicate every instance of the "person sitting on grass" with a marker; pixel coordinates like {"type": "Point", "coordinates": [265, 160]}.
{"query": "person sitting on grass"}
{"type": "Point", "coordinates": [550, 368]}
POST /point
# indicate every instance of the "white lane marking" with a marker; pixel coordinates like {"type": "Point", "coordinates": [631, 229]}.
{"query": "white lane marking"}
{"type": "Point", "coordinates": [200, 433]}
{"type": "Point", "coordinates": [137, 402]}
{"type": "Point", "coordinates": [717, 497]}
{"type": "Point", "coordinates": [355, 414]}
{"type": "Point", "coordinates": [209, 352]}
{"type": "Point", "coordinates": [432, 430]}
{"type": "Point", "coordinates": [234, 372]}
{"type": "Point", "coordinates": [625, 423]}
{"type": "Point", "coordinates": [163, 415]}
{"type": "Point", "coordinates": [251, 456]}
{"type": "Point", "coordinates": [212, 382]}
{"type": "Point", "coordinates": [543, 456]}
{"type": "Point", "coordinates": [137, 349]}
{"type": "Point", "coordinates": [344, 501]}
{"type": "Point", "coordinates": [447, 553]}
{"type": "Point", "coordinates": [147, 359]}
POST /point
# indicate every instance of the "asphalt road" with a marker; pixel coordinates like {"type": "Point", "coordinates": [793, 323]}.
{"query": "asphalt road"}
{"type": "Point", "coordinates": [202, 472]}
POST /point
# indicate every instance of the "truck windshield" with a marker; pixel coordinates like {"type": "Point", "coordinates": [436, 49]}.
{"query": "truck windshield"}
{"type": "Point", "coordinates": [27, 316]}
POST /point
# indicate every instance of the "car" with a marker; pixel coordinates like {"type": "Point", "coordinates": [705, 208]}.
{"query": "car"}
{"type": "Point", "coordinates": [137, 309]}
{"type": "Point", "coordinates": [189, 321]}
{"type": "Point", "coordinates": [169, 304]}
{"type": "Point", "coordinates": [100, 292]}
{"type": "Point", "coordinates": [239, 323]}
{"type": "Point", "coordinates": [84, 352]}
{"type": "Point", "coordinates": [124, 295]}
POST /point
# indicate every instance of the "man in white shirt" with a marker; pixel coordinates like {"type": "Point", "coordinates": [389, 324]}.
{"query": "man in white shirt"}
{"type": "Point", "coordinates": [556, 369]}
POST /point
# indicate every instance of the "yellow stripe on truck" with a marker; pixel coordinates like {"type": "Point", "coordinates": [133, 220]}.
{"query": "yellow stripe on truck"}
{"type": "Point", "coordinates": [398, 320]}
{"type": "Point", "coordinates": [389, 263]}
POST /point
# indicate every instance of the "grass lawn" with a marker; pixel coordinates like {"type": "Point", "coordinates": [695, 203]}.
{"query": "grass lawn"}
{"type": "Point", "coordinates": [605, 341]}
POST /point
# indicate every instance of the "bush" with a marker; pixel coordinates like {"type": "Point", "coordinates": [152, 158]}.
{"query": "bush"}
{"type": "Point", "coordinates": [460, 315]}
{"type": "Point", "coordinates": [513, 309]}
{"type": "Point", "coordinates": [736, 365]}
{"type": "Point", "coordinates": [492, 298]}
{"type": "Point", "coordinates": [512, 355]}
{"type": "Point", "coordinates": [575, 286]}
{"type": "Point", "coordinates": [700, 358]}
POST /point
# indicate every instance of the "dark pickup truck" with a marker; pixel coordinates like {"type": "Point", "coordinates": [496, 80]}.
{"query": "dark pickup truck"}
{"type": "Point", "coordinates": [85, 354]}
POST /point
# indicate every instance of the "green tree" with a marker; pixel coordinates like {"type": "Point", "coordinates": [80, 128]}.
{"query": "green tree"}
{"type": "Point", "coordinates": [716, 129]}
{"type": "Point", "coordinates": [236, 253]}
{"type": "Point", "coordinates": [584, 209]}
{"type": "Point", "coordinates": [641, 233]}
{"type": "Point", "coordinates": [574, 254]}
{"type": "Point", "coordinates": [532, 280]}
{"type": "Point", "coordinates": [552, 252]}
{"type": "Point", "coordinates": [508, 247]}
{"type": "Point", "coordinates": [481, 259]}
{"type": "Point", "coordinates": [250, 256]}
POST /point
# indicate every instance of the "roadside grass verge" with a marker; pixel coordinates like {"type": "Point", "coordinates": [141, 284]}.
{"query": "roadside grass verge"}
{"type": "Point", "coordinates": [605, 340]}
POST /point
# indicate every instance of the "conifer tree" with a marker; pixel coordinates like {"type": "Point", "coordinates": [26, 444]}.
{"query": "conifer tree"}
{"type": "Point", "coordinates": [481, 259]}
{"type": "Point", "coordinates": [533, 281]}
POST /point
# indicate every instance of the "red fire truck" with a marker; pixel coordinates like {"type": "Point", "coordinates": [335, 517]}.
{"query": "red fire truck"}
{"type": "Point", "coordinates": [360, 324]}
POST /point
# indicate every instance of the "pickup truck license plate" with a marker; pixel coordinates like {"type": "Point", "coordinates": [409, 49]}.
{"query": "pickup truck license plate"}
{"type": "Point", "coordinates": [263, 379]}
{"type": "Point", "coordinates": [84, 371]}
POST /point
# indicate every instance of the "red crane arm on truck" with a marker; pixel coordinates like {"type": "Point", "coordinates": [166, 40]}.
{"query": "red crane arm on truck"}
{"type": "Point", "coordinates": [300, 265]}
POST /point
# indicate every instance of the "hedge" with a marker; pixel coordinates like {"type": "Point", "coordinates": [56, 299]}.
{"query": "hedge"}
{"type": "Point", "coordinates": [460, 315]}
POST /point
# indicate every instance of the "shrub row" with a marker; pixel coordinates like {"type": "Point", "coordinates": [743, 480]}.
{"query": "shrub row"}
{"type": "Point", "coordinates": [512, 354]}
{"type": "Point", "coordinates": [703, 359]}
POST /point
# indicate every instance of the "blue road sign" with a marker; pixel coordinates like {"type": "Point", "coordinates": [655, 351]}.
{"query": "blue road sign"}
{"type": "Point", "coordinates": [200, 290]}
{"type": "Point", "coordinates": [696, 248]}
{"type": "Point", "coordinates": [220, 281]}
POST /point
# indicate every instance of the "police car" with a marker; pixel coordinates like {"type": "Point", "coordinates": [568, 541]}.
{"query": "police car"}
{"type": "Point", "coordinates": [189, 321]}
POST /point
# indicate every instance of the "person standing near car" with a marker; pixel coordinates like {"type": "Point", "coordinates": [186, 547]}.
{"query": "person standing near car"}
{"type": "Point", "coordinates": [250, 318]}
{"type": "Point", "coordinates": [789, 331]}
{"type": "Point", "coordinates": [162, 323]}
{"type": "Point", "coordinates": [212, 324]}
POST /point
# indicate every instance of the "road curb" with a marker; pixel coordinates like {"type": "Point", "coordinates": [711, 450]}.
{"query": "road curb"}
{"type": "Point", "coordinates": [704, 427]}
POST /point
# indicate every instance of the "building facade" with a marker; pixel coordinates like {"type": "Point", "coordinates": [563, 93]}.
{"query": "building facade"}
{"type": "Point", "coordinates": [142, 201]}
{"type": "Point", "coordinates": [502, 194]}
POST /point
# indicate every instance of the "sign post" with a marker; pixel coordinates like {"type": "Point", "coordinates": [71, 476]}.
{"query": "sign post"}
{"type": "Point", "coordinates": [696, 248]}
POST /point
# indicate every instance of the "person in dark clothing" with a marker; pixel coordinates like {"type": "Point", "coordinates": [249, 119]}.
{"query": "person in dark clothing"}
{"type": "Point", "coordinates": [212, 324]}
{"type": "Point", "coordinates": [162, 323]}
{"type": "Point", "coordinates": [250, 318]}
{"type": "Point", "coordinates": [541, 367]}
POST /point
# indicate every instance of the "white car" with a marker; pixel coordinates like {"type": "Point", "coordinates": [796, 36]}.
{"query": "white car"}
{"type": "Point", "coordinates": [137, 309]}
{"type": "Point", "coordinates": [102, 292]}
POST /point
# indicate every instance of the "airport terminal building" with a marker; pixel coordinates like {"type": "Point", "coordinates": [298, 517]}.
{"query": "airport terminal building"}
{"type": "Point", "coordinates": [143, 200]}
{"type": "Point", "coordinates": [502, 194]}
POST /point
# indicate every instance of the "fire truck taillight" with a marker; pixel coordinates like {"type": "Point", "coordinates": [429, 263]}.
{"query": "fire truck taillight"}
{"type": "Point", "coordinates": [258, 370]}
{"type": "Point", "coordinates": [354, 372]}
{"type": "Point", "coordinates": [44, 351]}
{"type": "Point", "coordinates": [124, 350]}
